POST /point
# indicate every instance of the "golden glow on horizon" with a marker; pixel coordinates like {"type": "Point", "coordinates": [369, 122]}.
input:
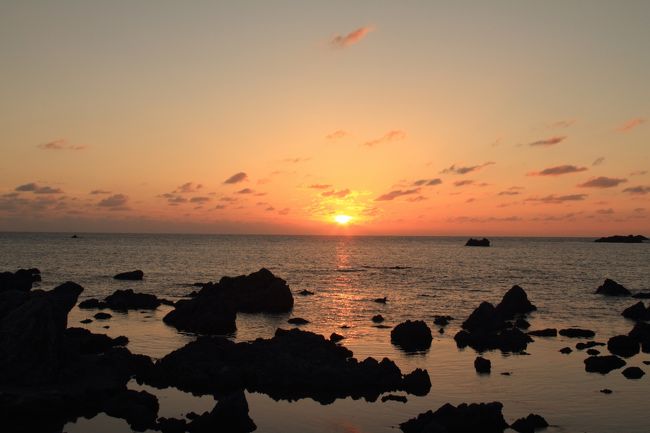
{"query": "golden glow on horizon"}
{"type": "Point", "coordinates": [342, 219]}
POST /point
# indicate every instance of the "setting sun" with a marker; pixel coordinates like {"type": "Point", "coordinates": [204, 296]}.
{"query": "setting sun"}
{"type": "Point", "coordinates": [342, 219]}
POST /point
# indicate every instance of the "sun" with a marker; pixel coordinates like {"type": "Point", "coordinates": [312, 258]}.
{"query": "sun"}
{"type": "Point", "coordinates": [342, 219]}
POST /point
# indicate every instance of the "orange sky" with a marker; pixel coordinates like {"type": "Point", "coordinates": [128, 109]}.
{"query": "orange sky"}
{"type": "Point", "coordinates": [277, 117]}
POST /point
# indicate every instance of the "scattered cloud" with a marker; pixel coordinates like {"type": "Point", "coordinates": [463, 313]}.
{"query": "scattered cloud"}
{"type": "Point", "coordinates": [390, 136]}
{"type": "Point", "coordinates": [558, 170]}
{"type": "Point", "coordinates": [416, 199]}
{"type": "Point", "coordinates": [563, 123]}
{"type": "Point", "coordinates": [638, 190]}
{"type": "Point", "coordinates": [296, 160]}
{"type": "Point", "coordinates": [631, 124]}
{"type": "Point", "coordinates": [188, 187]}
{"type": "Point", "coordinates": [639, 173]}
{"type": "Point", "coordinates": [245, 191]}
{"type": "Point", "coordinates": [607, 211]}
{"type": "Point", "coordinates": [343, 41]}
{"type": "Point", "coordinates": [99, 192]}
{"type": "Point", "coordinates": [284, 211]}
{"type": "Point", "coordinates": [36, 189]}
{"type": "Point", "coordinates": [337, 135]}
{"type": "Point", "coordinates": [236, 178]}
{"type": "Point", "coordinates": [60, 144]}
{"type": "Point", "coordinates": [320, 186]}
{"type": "Point", "coordinates": [598, 161]}
{"type": "Point", "coordinates": [397, 193]}
{"type": "Point", "coordinates": [200, 199]}
{"type": "Point", "coordinates": [463, 182]}
{"type": "Point", "coordinates": [602, 182]}
{"type": "Point", "coordinates": [427, 182]}
{"type": "Point", "coordinates": [333, 193]}
{"type": "Point", "coordinates": [551, 141]}
{"type": "Point", "coordinates": [464, 170]}
{"type": "Point", "coordinates": [557, 199]}
{"type": "Point", "coordinates": [114, 202]}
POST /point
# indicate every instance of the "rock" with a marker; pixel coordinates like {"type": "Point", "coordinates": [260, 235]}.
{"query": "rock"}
{"type": "Point", "coordinates": [92, 303]}
{"type": "Point", "coordinates": [465, 418]}
{"type": "Point", "coordinates": [589, 344]}
{"type": "Point", "coordinates": [131, 275]}
{"type": "Point", "coordinates": [547, 332]}
{"type": "Point", "coordinates": [633, 373]}
{"type": "Point", "coordinates": [508, 340]}
{"type": "Point", "coordinates": [393, 397]}
{"type": "Point", "coordinates": [171, 425]}
{"type": "Point", "coordinates": [641, 333]}
{"type": "Point", "coordinates": [103, 316]}
{"type": "Point", "coordinates": [442, 320]}
{"type": "Point", "coordinates": [335, 338]}
{"type": "Point", "coordinates": [20, 280]}
{"type": "Point", "coordinates": [441, 331]}
{"type": "Point", "coordinates": [381, 300]}
{"type": "Point", "coordinates": [529, 424]}
{"type": "Point", "coordinates": [85, 342]}
{"type": "Point", "coordinates": [612, 288]}
{"type": "Point", "coordinates": [624, 346]}
{"type": "Point", "coordinates": [606, 391]}
{"type": "Point", "coordinates": [305, 292]}
{"type": "Point", "coordinates": [293, 364]}
{"type": "Point", "coordinates": [167, 302]}
{"type": "Point", "coordinates": [482, 365]}
{"type": "Point", "coordinates": [514, 302]}
{"type": "Point", "coordinates": [566, 350]}
{"type": "Point", "coordinates": [577, 333]}
{"type": "Point", "coordinates": [229, 415]}
{"type": "Point", "coordinates": [86, 321]}
{"type": "Point", "coordinates": [629, 239]}
{"type": "Point", "coordinates": [484, 318]}
{"type": "Point", "coordinates": [603, 364]}
{"type": "Point", "coordinates": [381, 326]}
{"type": "Point", "coordinates": [646, 362]}
{"type": "Point", "coordinates": [642, 295]}
{"type": "Point", "coordinates": [411, 335]}
{"type": "Point", "coordinates": [477, 242]}
{"type": "Point", "coordinates": [522, 323]}
{"type": "Point", "coordinates": [637, 312]}
{"type": "Point", "coordinates": [123, 300]}
{"type": "Point", "coordinates": [298, 321]}
{"type": "Point", "coordinates": [593, 352]}
{"type": "Point", "coordinates": [139, 409]}
{"type": "Point", "coordinates": [378, 318]}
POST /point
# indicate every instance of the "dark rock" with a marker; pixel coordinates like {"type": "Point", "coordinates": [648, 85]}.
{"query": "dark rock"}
{"type": "Point", "coordinates": [477, 242]}
{"type": "Point", "coordinates": [416, 382]}
{"type": "Point", "coordinates": [139, 409]}
{"type": "Point", "coordinates": [633, 373]}
{"type": "Point", "coordinates": [203, 315]}
{"type": "Point", "coordinates": [167, 302]}
{"type": "Point", "coordinates": [482, 365]}
{"type": "Point", "coordinates": [381, 300]}
{"type": "Point", "coordinates": [441, 331]}
{"type": "Point", "coordinates": [335, 338]}
{"type": "Point", "coordinates": [86, 321]}
{"type": "Point", "coordinates": [484, 318]}
{"type": "Point", "coordinates": [305, 292]}
{"type": "Point", "coordinates": [465, 418]}
{"type": "Point", "coordinates": [92, 303]}
{"type": "Point", "coordinates": [603, 364]}
{"type": "Point", "coordinates": [103, 316]}
{"type": "Point", "coordinates": [378, 318]}
{"type": "Point", "coordinates": [593, 352]}
{"type": "Point", "coordinates": [642, 295]}
{"type": "Point", "coordinates": [646, 362]}
{"type": "Point", "coordinates": [612, 288]}
{"type": "Point", "coordinates": [171, 425]}
{"type": "Point", "coordinates": [411, 335]}
{"type": "Point", "coordinates": [86, 342]}
{"type": "Point", "coordinates": [123, 300]}
{"type": "Point", "coordinates": [637, 312]}
{"type": "Point", "coordinates": [548, 332]}
{"type": "Point", "coordinates": [442, 320]}
{"type": "Point", "coordinates": [229, 415]}
{"type": "Point", "coordinates": [624, 346]}
{"type": "Point", "coordinates": [640, 332]}
{"type": "Point", "coordinates": [508, 340]}
{"type": "Point", "coordinates": [589, 344]}
{"type": "Point", "coordinates": [566, 350]}
{"type": "Point", "coordinates": [606, 391]}
{"type": "Point", "coordinates": [522, 323]}
{"type": "Point", "coordinates": [529, 424]}
{"type": "Point", "coordinates": [514, 302]}
{"type": "Point", "coordinates": [577, 333]}
{"type": "Point", "coordinates": [344, 326]}
{"type": "Point", "coordinates": [629, 239]}
{"type": "Point", "coordinates": [393, 397]}
{"type": "Point", "coordinates": [298, 321]}
{"type": "Point", "coordinates": [20, 280]}
{"type": "Point", "coordinates": [131, 275]}
{"type": "Point", "coordinates": [381, 326]}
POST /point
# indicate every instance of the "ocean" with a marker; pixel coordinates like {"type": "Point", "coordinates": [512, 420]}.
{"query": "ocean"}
{"type": "Point", "coordinates": [420, 276]}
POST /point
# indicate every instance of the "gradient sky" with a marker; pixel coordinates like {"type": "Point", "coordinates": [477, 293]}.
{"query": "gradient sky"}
{"type": "Point", "coordinates": [411, 117]}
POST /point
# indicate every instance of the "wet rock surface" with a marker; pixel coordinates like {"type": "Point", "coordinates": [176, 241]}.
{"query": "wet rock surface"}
{"type": "Point", "coordinates": [612, 288]}
{"type": "Point", "coordinates": [464, 418]}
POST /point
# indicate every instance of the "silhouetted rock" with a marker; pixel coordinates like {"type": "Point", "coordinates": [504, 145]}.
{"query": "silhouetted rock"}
{"type": "Point", "coordinates": [642, 295]}
{"type": "Point", "coordinates": [633, 373]}
{"type": "Point", "coordinates": [577, 333]}
{"type": "Point", "coordinates": [513, 303]}
{"type": "Point", "coordinates": [84, 341]}
{"type": "Point", "coordinates": [293, 364]}
{"type": "Point", "coordinates": [298, 321]}
{"type": "Point", "coordinates": [92, 303]}
{"type": "Point", "coordinates": [86, 321]}
{"type": "Point", "coordinates": [612, 288]}
{"type": "Point", "coordinates": [529, 424]}
{"type": "Point", "coordinates": [139, 409]}
{"type": "Point", "coordinates": [477, 242]}
{"type": "Point", "coordinates": [381, 300]}
{"type": "Point", "coordinates": [335, 338]}
{"type": "Point", "coordinates": [129, 300]}
{"type": "Point", "coordinates": [593, 352]}
{"type": "Point", "coordinates": [171, 425]}
{"type": "Point", "coordinates": [131, 275]}
{"type": "Point", "coordinates": [547, 332]}
{"type": "Point", "coordinates": [606, 391]}
{"type": "Point", "coordinates": [603, 364]}
{"type": "Point", "coordinates": [394, 397]}
{"type": "Point", "coordinates": [566, 350]}
{"type": "Point", "coordinates": [588, 344]}
{"type": "Point", "coordinates": [641, 333]}
{"type": "Point", "coordinates": [637, 312]}
{"type": "Point", "coordinates": [624, 346]}
{"type": "Point", "coordinates": [102, 316]}
{"type": "Point", "coordinates": [20, 280]}
{"type": "Point", "coordinates": [484, 318]}
{"type": "Point", "coordinates": [465, 418]}
{"type": "Point", "coordinates": [411, 335]}
{"type": "Point", "coordinates": [522, 323]}
{"type": "Point", "coordinates": [229, 415]}
{"type": "Point", "coordinates": [377, 318]}
{"type": "Point", "coordinates": [305, 292]}
{"type": "Point", "coordinates": [442, 320]}
{"type": "Point", "coordinates": [629, 239]}
{"type": "Point", "coordinates": [482, 365]}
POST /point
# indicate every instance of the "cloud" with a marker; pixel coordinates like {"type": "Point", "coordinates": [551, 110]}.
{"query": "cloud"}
{"type": "Point", "coordinates": [188, 188]}
{"type": "Point", "coordinates": [510, 192]}
{"type": "Point", "coordinates": [631, 124]}
{"type": "Point", "coordinates": [114, 202]}
{"type": "Point", "coordinates": [333, 193]}
{"type": "Point", "coordinates": [602, 182]}
{"type": "Point", "coordinates": [337, 135]}
{"type": "Point", "coordinates": [99, 192]}
{"type": "Point", "coordinates": [607, 211]}
{"type": "Point", "coordinates": [284, 211]}
{"type": "Point", "coordinates": [245, 191]}
{"type": "Point", "coordinates": [639, 173]}
{"type": "Point", "coordinates": [343, 41]}
{"type": "Point", "coordinates": [598, 161]}
{"type": "Point", "coordinates": [464, 170]}
{"type": "Point", "coordinates": [557, 199]}
{"type": "Point", "coordinates": [236, 178]}
{"type": "Point", "coordinates": [416, 199]}
{"type": "Point", "coordinates": [463, 182]}
{"type": "Point", "coordinates": [32, 187]}
{"type": "Point", "coordinates": [199, 199]}
{"type": "Point", "coordinates": [390, 136]}
{"type": "Point", "coordinates": [60, 144]}
{"type": "Point", "coordinates": [563, 123]}
{"type": "Point", "coordinates": [427, 182]}
{"type": "Point", "coordinates": [397, 193]}
{"type": "Point", "coordinates": [270, 209]}
{"type": "Point", "coordinates": [551, 141]}
{"type": "Point", "coordinates": [638, 190]}
{"type": "Point", "coordinates": [558, 170]}
{"type": "Point", "coordinates": [296, 160]}
{"type": "Point", "coordinates": [320, 186]}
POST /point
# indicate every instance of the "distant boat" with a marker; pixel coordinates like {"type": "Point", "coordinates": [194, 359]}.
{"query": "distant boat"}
{"type": "Point", "coordinates": [629, 239]}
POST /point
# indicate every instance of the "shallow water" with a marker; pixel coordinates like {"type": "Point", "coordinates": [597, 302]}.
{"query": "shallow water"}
{"type": "Point", "coordinates": [421, 276]}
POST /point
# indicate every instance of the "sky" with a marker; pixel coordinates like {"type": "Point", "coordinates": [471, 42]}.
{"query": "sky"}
{"type": "Point", "coordinates": [293, 117]}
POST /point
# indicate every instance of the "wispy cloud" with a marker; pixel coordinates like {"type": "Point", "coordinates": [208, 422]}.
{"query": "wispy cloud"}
{"type": "Point", "coordinates": [558, 170]}
{"type": "Point", "coordinates": [339, 194]}
{"type": "Point", "coordinates": [99, 192]}
{"type": "Point", "coordinates": [236, 178]}
{"type": "Point", "coordinates": [566, 123]}
{"type": "Point", "coordinates": [551, 141]}
{"type": "Point", "coordinates": [343, 41]}
{"type": "Point", "coordinates": [114, 202]}
{"type": "Point", "coordinates": [296, 160]}
{"type": "Point", "coordinates": [598, 161]}
{"type": "Point", "coordinates": [397, 193]}
{"type": "Point", "coordinates": [427, 182]}
{"type": "Point", "coordinates": [602, 182]}
{"type": "Point", "coordinates": [187, 188]}
{"type": "Point", "coordinates": [465, 169]}
{"type": "Point", "coordinates": [320, 186]}
{"type": "Point", "coordinates": [463, 182]}
{"type": "Point", "coordinates": [639, 173]}
{"type": "Point", "coordinates": [638, 190]}
{"type": "Point", "coordinates": [200, 199]}
{"type": "Point", "coordinates": [631, 124]}
{"type": "Point", "coordinates": [390, 136]}
{"type": "Point", "coordinates": [245, 191]}
{"type": "Point", "coordinates": [36, 189]}
{"type": "Point", "coordinates": [337, 135]}
{"type": "Point", "coordinates": [558, 199]}
{"type": "Point", "coordinates": [60, 144]}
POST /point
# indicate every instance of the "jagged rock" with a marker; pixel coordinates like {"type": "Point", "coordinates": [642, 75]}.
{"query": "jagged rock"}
{"type": "Point", "coordinates": [642, 295]}
{"type": "Point", "coordinates": [393, 397]}
{"type": "Point", "coordinates": [612, 288]}
{"type": "Point", "coordinates": [484, 318]}
{"type": "Point", "coordinates": [566, 350]}
{"type": "Point", "coordinates": [547, 332]}
{"type": "Point", "coordinates": [641, 333]}
{"type": "Point", "coordinates": [298, 321]}
{"type": "Point", "coordinates": [588, 344]}
{"type": "Point", "coordinates": [577, 333]}
{"type": "Point", "coordinates": [482, 365]}
{"type": "Point", "coordinates": [129, 300]}
{"type": "Point", "coordinates": [377, 318]}
{"type": "Point", "coordinates": [305, 292]}
{"type": "Point", "coordinates": [131, 275]}
{"type": "Point", "coordinates": [442, 320]}
{"type": "Point", "coordinates": [85, 341]}
{"type": "Point", "coordinates": [522, 323]}
{"type": "Point", "coordinates": [514, 302]}
{"type": "Point", "coordinates": [603, 364]}
{"type": "Point", "coordinates": [477, 242]}
{"type": "Point", "coordinates": [20, 280]}
{"type": "Point", "coordinates": [633, 373]}
{"type": "Point", "coordinates": [381, 300]}
{"type": "Point", "coordinates": [529, 424]}
{"type": "Point", "coordinates": [624, 346]}
{"type": "Point", "coordinates": [629, 239]}
{"type": "Point", "coordinates": [481, 417]}
{"type": "Point", "coordinates": [335, 338]}
{"type": "Point", "coordinates": [508, 340]}
{"type": "Point", "coordinates": [139, 409]}
{"type": "Point", "coordinates": [637, 312]}
{"type": "Point", "coordinates": [412, 335]}
{"type": "Point", "coordinates": [229, 415]}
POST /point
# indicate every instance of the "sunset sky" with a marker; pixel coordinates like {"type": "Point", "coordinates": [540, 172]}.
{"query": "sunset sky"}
{"type": "Point", "coordinates": [406, 117]}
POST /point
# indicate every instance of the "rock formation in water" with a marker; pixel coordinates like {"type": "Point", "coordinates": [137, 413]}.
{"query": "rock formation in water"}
{"type": "Point", "coordinates": [464, 418]}
{"type": "Point", "coordinates": [477, 242]}
{"type": "Point", "coordinates": [612, 288]}
{"type": "Point", "coordinates": [629, 239]}
{"type": "Point", "coordinates": [130, 275]}
{"type": "Point", "coordinates": [411, 335]}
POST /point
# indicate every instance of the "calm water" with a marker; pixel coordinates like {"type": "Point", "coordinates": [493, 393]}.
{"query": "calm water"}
{"type": "Point", "coordinates": [439, 276]}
